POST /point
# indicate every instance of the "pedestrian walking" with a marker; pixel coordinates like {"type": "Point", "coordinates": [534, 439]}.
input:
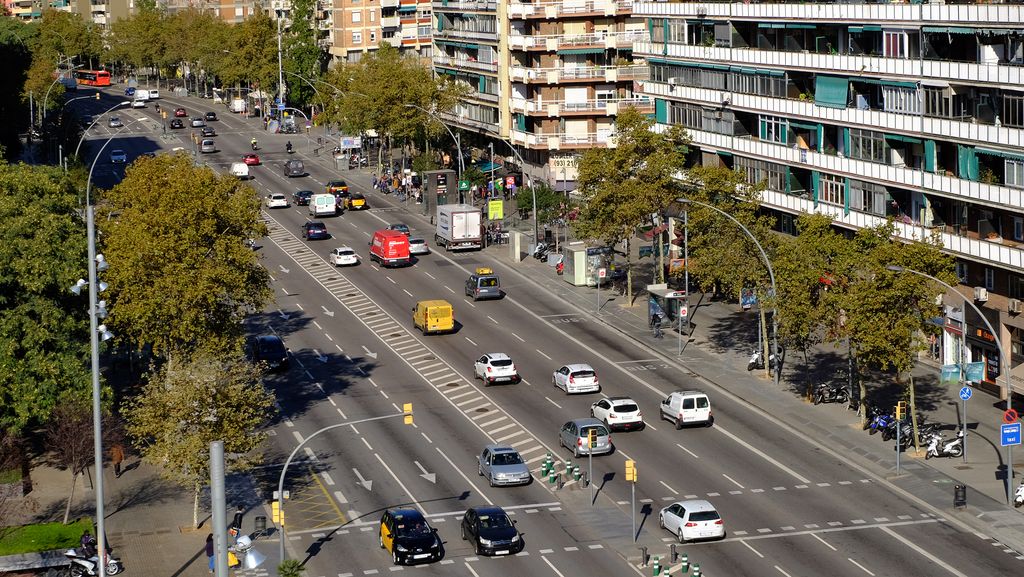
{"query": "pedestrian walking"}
{"type": "Point", "coordinates": [235, 528]}
{"type": "Point", "coordinates": [209, 550]}
{"type": "Point", "coordinates": [656, 324]}
{"type": "Point", "coordinates": [117, 457]}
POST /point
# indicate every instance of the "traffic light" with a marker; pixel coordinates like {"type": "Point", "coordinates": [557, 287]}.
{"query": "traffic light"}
{"type": "Point", "coordinates": [631, 471]}
{"type": "Point", "coordinates": [275, 513]}
{"type": "Point", "coordinates": [591, 437]}
{"type": "Point", "coordinates": [901, 410]}
{"type": "Point", "coordinates": [407, 409]}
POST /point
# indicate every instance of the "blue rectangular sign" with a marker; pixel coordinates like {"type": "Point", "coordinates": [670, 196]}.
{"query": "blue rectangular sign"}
{"type": "Point", "coordinates": [1010, 434]}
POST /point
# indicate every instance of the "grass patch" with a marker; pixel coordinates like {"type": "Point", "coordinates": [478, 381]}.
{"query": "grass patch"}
{"type": "Point", "coordinates": [43, 537]}
{"type": "Point", "coordinates": [10, 476]}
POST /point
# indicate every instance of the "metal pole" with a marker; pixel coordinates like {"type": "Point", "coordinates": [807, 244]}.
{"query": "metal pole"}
{"type": "Point", "coordinates": [897, 445]}
{"type": "Point", "coordinates": [493, 188]}
{"type": "Point", "coordinates": [280, 69]}
{"type": "Point", "coordinates": [217, 499]}
{"type": "Point", "coordinates": [963, 383]}
{"type": "Point", "coordinates": [632, 506]}
{"type": "Point", "coordinates": [590, 473]}
{"type": "Point", "coordinates": [686, 275]}
{"type": "Point", "coordinates": [599, 293]}
{"type": "Point", "coordinates": [94, 346]}
{"type": "Point", "coordinates": [288, 461]}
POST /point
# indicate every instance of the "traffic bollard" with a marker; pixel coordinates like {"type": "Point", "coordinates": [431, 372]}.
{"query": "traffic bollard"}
{"type": "Point", "coordinates": [685, 561]}
{"type": "Point", "coordinates": [672, 554]}
{"type": "Point", "coordinates": [568, 467]}
{"type": "Point", "coordinates": [544, 469]}
{"type": "Point", "coordinates": [696, 570]}
{"type": "Point", "coordinates": [643, 556]}
{"type": "Point", "coordinates": [551, 477]}
{"type": "Point", "coordinates": [576, 473]}
{"type": "Point", "coordinates": [656, 567]}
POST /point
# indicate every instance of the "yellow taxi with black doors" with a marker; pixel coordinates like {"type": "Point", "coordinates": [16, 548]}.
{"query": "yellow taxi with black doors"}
{"type": "Point", "coordinates": [406, 535]}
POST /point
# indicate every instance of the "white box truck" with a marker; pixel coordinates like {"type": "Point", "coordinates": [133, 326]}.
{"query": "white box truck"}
{"type": "Point", "coordinates": [141, 94]}
{"type": "Point", "coordinates": [458, 227]}
{"type": "Point", "coordinates": [323, 205]}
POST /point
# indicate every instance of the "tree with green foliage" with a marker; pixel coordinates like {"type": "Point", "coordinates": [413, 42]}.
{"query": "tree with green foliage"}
{"type": "Point", "coordinates": [182, 277]}
{"type": "Point", "coordinates": [141, 40]}
{"type": "Point", "coordinates": [252, 54]}
{"type": "Point", "coordinates": [62, 35]}
{"type": "Point", "coordinates": [187, 404]}
{"type": "Point", "coordinates": [194, 42]}
{"type": "Point", "coordinates": [301, 54]}
{"type": "Point", "coordinates": [15, 38]}
{"type": "Point", "coordinates": [550, 204]}
{"type": "Point", "coordinates": [624, 185]}
{"type": "Point", "coordinates": [44, 331]}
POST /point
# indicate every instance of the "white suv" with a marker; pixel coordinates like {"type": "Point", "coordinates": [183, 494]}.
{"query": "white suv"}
{"type": "Point", "coordinates": [576, 378]}
{"type": "Point", "coordinates": [496, 368]}
{"type": "Point", "coordinates": [618, 413]}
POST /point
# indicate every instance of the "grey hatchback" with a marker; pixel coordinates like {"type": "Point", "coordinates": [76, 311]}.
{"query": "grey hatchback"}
{"type": "Point", "coordinates": [502, 465]}
{"type": "Point", "coordinates": [575, 437]}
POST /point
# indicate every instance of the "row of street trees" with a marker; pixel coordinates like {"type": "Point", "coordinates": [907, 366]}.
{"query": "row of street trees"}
{"type": "Point", "coordinates": [833, 288]}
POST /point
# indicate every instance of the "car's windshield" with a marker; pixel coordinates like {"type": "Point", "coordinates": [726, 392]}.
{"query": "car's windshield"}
{"type": "Point", "coordinates": [583, 374]}
{"type": "Point", "coordinates": [704, 516]}
{"type": "Point", "coordinates": [494, 521]}
{"type": "Point", "coordinates": [413, 529]}
{"type": "Point", "coordinates": [508, 459]}
{"type": "Point", "coordinates": [501, 362]}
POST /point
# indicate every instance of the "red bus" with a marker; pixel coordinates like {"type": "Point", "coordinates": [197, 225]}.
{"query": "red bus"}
{"type": "Point", "coordinates": [93, 77]}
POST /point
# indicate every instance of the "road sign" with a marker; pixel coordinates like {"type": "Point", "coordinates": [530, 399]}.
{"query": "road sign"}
{"type": "Point", "coordinates": [683, 313]}
{"type": "Point", "coordinates": [602, 273]}
{"type": "Point", "coordinates": [1010, 434]}
{"type": "Point", "coordinates": [280, 106]}
{"type": "Point", "coordinates": [463, 185]}
{"type": "Point", "coordinates": [510, 181]}
{"type": "Point", "coordinates": [965, 393]}
{"type": "Point", "coordinates": [1010, 416]}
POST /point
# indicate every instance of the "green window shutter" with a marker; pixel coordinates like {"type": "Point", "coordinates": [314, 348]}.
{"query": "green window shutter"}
{"type": "Point", "coordinates": [440, 23]}
{"type": "Point", "coordinates": [814, 186]}
{"type": "Point", "coordinates": [664, 30]}
{"type": "Point", "coordinates": [482, 84]}
{"type": "Point", "coordinates": [967, 162]}
{"type": "Point", "coordinates": [846, 142]}
{"type": "Point", "coordinates": [929, 155]}
{"type": "Point", "coordinates": [789, 179]}
{"type": "Point", "coordinates": [831, 91]}
{"type": "Point", "coordinates": [661, 110]}
{"type": "Point", "coordinates": [521, 122]}
{"type": "Point", "coordinates": [846, 196]}
{"type": "Point", "coordinates": [821, 138]}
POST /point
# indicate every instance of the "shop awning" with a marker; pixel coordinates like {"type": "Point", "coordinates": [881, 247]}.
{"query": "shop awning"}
{"type": "Point", "coordinates": [593, 50]}
{"type": "Point", "coordinates": [742, 70]}
{"type": "Point", "coordinates": [872, 28]}
{"type": "Point", "coordinates": [770, 25]}
{"type": "Point", "coordinates": [884, 82]}
{"type": "Point", "coordinates": [831, 91]}
{"type": "Point", "coordinates": [949, 29]}
{"type": "Point", "coordinates": [488, 166]}
{"type": "Point", "coordinates": [801, 26]}
{"type": "Point", "coordinates": [407, 8]}
{"type": "Point", "coordinates": [770, 72]}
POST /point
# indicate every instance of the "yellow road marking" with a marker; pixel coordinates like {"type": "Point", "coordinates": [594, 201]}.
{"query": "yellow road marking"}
{"type": "Point", "coordinates": [330, 499]}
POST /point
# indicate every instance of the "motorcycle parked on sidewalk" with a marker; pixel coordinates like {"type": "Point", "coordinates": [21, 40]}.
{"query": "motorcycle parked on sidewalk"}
{"type": "Point", "coordinates": [541, 251]}
{"type": "Point", "coordinates": [86, 562]}
{"type": "Point", "coordinates": [877, 420]}
{"type": "Point", "coordinates": [756, 361]}
{"type": "Point", "coordinates": [941, 447]}
{"type": "Point", "coordinates": [825, 393]}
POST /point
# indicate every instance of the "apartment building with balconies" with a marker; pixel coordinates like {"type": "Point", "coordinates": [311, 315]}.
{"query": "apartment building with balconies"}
{"type": "Point", "coordinates": [867, 112]}
{"type": "Point", "coordinates": [360, 26]}
{"type": "Point", "coordinates": [101, 12]}
{"type": "Point", "coordinates": [548, 77]}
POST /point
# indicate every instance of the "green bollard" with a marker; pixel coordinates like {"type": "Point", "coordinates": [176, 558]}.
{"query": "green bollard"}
{"type": "Point", "coordinates": [576, 473]}
{"type": "Point", "coordinates": [684, 562]}
{"type": "Point", "coordinates": [696, 570]}
{"type": "Point", "coordinates": [568, 467]}
{"type": "Point", "coordinates": [551, 477]}
{"type": "Point", "coordinates": [544, 469]}
{"type": "Point", "coordinates": [656, 567]}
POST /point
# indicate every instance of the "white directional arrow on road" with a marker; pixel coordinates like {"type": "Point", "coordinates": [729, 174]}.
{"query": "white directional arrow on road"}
{"type": "Point", "coordinates": [432, 477]}
{"type": "Point", "coordinates": [284, 270]}
{"type": "Point", "coordinates": [327, 312]}
{"type": "Point", "coordinates": [362, 481]}
{"type": "Point", "coordinates": [368, 353]}
{"type": "Point", "coordinates": [320, 357]}
{"type": "Point", "coordinates": [283, 314]}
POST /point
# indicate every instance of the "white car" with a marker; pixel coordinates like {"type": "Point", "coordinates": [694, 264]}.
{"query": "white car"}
{"type": "Point", "coordinates": [496, 368]}
{"type": "Point", "coordinates": [577, 378]}
{"type": "Point", "coordinates": [115, 122]}
{"type": "Point", "coordinates": [418, 246]}
{"type": "Point", "coordinates": [277, 200]}
{"type": "Point", "coordinates": [198, 122]}
{"type": "Point", "coordinates": [618, 413]}
{"type": "Point", "coordinates": [691, 520]}
{"type": "Point", "coordinates": [138, 103]}
{"type": "Point", "coordinates": [118, 157]}
{"type": "Point", "coordinates": [344, 256]}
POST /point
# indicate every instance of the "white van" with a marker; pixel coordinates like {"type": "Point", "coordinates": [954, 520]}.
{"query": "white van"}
{"type": "Point", "coordinates": [240, 169]}
{"type": "Point", "coordinates": [323, 205]}
{"type": "Point", "coordinates": [154, 94]}
{"type": "Point", "coordinates": [687, 407]}
{"type": "Point", "coordinates": [141, 94]}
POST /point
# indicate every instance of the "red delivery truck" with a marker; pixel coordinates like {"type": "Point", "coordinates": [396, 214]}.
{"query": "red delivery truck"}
{"type": "Point", "coordinates": [390, 248]}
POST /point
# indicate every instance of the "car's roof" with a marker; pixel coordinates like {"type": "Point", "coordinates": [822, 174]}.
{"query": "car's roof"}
{"type": "Point", "coordinates": [489, 511]}
{"type": "Point", "coordinates": [396, 224]}
{"type": "Point", "coordinates": [302, 191]}
{"type": "Point", "coordinates": [340, 248]}
{"type": "Point", "coordinates": [117, 151]}
{"type": "Point", "coordinates": [690, 392]}
{"type": "Point", "coordinates": [268, 338]}
{"type": "Point", "coordinates": [620, 400]}
{"type": "Point", "coordinates": [696, 505]}
{"type": "Point", "coordinates": [586, 422]}
{"type": "Point", "coordinates": [580, 367]}
{"type": "Point", "coordinates": [333, 182]}
{"type": "Point", "coordinates": [315, 223]}
{"type": "Point", "coordinates": [500, 449]}
{"type": "Point", "coordinates": [407, 515]}
{"type": "Point", "coordinates": [497, 356]}
{"type": "Point", "coordinates": [276, 195]}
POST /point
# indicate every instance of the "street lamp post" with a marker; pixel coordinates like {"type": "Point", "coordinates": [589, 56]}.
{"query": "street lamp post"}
{"type": "Point", "coordinates": [771, 277]}
{"type": "Point", "coordinates": [522, 165]}
{"type": "Point", "coordinates": [60, 159]}
{"type": "Point", "coordinates": [46, 98]}
{"type": "Point", "coordinates": [1002, 362]}
{"type": "Point", "coordinates": [280, 68]}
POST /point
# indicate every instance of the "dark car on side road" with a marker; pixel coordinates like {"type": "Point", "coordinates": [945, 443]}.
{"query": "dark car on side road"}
{"type": "Point", "coordinates": [269, 349]}
{"type": "Point", "coordinates": [301, 197]}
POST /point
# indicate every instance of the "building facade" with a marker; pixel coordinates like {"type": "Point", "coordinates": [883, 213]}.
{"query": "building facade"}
{"type": "Point", "coordinates": [100, 12]}
{"type": "Point", "coordinates": [360, 26]}
{"type": "Point", "coordinates": [867, 112]}
{"type": "Point", "coordinates": [548, 77]}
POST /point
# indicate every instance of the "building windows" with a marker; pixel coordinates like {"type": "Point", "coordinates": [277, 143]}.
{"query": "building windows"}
{"type": "Point", "coordinates": [373, 14]}
{"type": "Point", "coordinates": [357, 38]}
{"type": "Point", "coordinates": [689, 76]}
{"type": "Point", "coordinates": [990, 279]}
{"type": "Point", "coordinates": [868, 145]}
{"type": "Point", "coordinates": [1014, 171]}
{"type": "Point", "coordinates": [1016, 344]}
{"type": "Point", "coordinates": [963, 271]}
{"type": "Point", "coordinates": [831, 190]}
{"type": "Point", "coordinates": [772, 174]}
{"type": "Point", "coordinates": [895, 44]}
{"type": "Point", "coordinates": [1016, 288]}
{"type": "Point", "coordinates": [357, 17]}
{"type": "Point", "coordinates": [775, 129]}
{"type": "Point", "coordinates": [1018, 229]}
{"type": "Point", "coordinates": [373, 37]}
{"type": "Point", "coordinates": [900, 100]}
{"type": "Point", "coordinates": [423, 31]}
{"type": "Point", "coordinates": [687, 115]}
{"type": "Point", "coordinates": [1013, 110]}
{"type": "Point", "coordinates": [867, 197]}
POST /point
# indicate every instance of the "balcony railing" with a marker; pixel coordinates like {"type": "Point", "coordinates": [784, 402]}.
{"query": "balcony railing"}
{"type": "Point", "coordinates": [559, 107]}
{"type": "Point", "coordinates": [440, 60]}
{"type": "Point", "coordinates": [557, 140]}
{"type": "Point", "coordinates": [465, 5]}
{"type": "Point", "coordinates": [555, 75]}
{"type": "Point", "coordinates": [561, 41]}
{"type": "Point", "coordinates": [390, 22]}
{"type": "Point", "coordinates": [389, 3]}
{"type": "Point", "coordinates": [558, 9]}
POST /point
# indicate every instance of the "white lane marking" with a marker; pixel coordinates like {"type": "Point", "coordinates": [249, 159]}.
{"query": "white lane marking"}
{"type": "Point", "coordinates": [922, 552]}
{"type": "Point", "coordinates": [664, 484]}
{"type": "Point", "coordinates": [317, 325]}
{"type": "Point", "coordinates": [309, 453]}
{"type": "Point", "coordinates": [518, 337]}
{"type": "Point", "coordinates": [341, 498]}
{"type": "Point", "coordinates": [430, 275]}
{"type": "Point", "coordinates": [777, 568]}
{"type": "Point", "coordinates": [367, 443]}
{"type": "Point", "coordinates": [391, 279]}
{"type": "Point", "coordinates": [470, 341]}
{"type": "Point", "coordinates": [415, 501]}
{"type": "Point", "coordinates": [426, 437]}
{"type": "Point", "coordinates": [541, 353]}
{"type": "Point", "coordinates": [756, 552]}
{"type": "Point", "coordinates": [824, 542]}
{"type": "Point", "coordinates": [385, 395]}
{"type": "Point", "coordinates": [552, 402]}
{"type": "Point", "coordinates": [492, 320]}
{"type": "Point", "coordinates": [342, 414]}
{"type": "Point", "coordinates": [407, 292]}
{"type": "Point", "coordinates": [557, 572]}
{"type": "Point", "coordinates": [471, 570]}
{"type": "Point", "coordinates": [692, 454]}
{"type": "Point", "coordinates": [328, 337]}
{"type": "Point", "coordinates": [761, 454]}
{"type": "Point", "coordinates": [449, 289]}
{"type": "Point", "coordinates": [327, 478]}
{"type": "Point", "coordinates": [298, 436]}
{"type": "Point", "coordinates": [331, 401]}
{"type": "Point", "coordinates": [733, 481]}
{"type": "Point", "coordinates": [862, 568]}
{"type": "Point", "coordinates": [463, 475]}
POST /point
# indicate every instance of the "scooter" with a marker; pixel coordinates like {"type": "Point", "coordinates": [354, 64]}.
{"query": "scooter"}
{"type": "Point", "coordinates": [85, 562]}
{"type": "Point", "coordinates": [877, 420]}
{"type": "Point", "coordinates": [254, 145]}
{"type": "Point", "coordinates": [1018, 497]}
{"type": "Point", "coordinates": [541, 251]}
{"type": "Point", "coordinates": [825, 393]}
{"type": "Point", "coordinates": [757, 361]}
{"type": "Point", "coordinates": [288, 147]}
{"type": "Point", "coordinates": [940, 447]}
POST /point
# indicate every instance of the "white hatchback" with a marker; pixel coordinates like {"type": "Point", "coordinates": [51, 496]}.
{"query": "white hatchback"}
{"type": "Point", "coordinates": [418, 246]}
{"type": "Point", "coordinates": [344, 256]}
{"type": "Point", "coordinates": [496, 368]}
{"type": "Point", "coordinates": [618, 413]}
{"type": "Point", "coordinates": [277, 200]}
{"type": "Point", "coordinates": [691, 520]}
{"type": "Point", "coordinates": [577, 378]}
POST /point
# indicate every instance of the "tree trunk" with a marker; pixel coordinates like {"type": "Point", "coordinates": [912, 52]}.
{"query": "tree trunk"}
{"type": "Point", "coordinates": [629, 275]}
{"type": "Point", "coordinates": [195, 505]}
{"type": "Point", "coordinates": [71, 496]}
{"type": "Point", "coordinates": [863, 396]}
{"type": "Point", "coordinates": [913, 412]}
{"type": "Point", "coordinates": [764, 342]}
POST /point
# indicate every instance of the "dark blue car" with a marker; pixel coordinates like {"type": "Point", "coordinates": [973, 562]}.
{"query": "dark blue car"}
{"type": "Point", "coordinates": [130, 91]}
{"type": "Point", "coordinates": [315, 230]}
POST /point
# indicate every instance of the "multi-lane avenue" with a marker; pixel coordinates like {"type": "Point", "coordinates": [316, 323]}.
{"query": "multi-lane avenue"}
{"type": "Point", "coordinates": [790, 506]}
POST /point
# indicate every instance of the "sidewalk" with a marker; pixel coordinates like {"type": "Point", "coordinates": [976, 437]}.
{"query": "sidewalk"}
{"type": "Point", "coordinates": [717, 349]}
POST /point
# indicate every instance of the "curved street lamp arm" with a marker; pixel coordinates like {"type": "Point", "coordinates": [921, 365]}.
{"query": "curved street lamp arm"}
{"type": "Point", "coordinates": [97, 119]}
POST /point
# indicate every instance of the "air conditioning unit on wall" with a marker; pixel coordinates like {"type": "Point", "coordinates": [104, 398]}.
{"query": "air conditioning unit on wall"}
{"type": "Point", "coordinates": [980, 294]}
{"type": "Point", "coordinates": [1014, 306]}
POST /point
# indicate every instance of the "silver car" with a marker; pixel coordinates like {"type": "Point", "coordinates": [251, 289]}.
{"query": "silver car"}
{"type": "Point", "coordinates": [575, 436]}
{"type": "Point", "coordinates": [418, 246]}
{"type": "Point", "coordinates": [502, 465]}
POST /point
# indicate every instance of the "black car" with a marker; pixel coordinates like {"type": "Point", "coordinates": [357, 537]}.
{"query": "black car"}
{"type": "Point", "coordinates": [208, 131]}
{"type": "Point", "coordinates": [408, 537]}
{"type": "Point", "coordinates": [269, 349]}
{"type": "Point", "coordinates": [177, 123]}
{"type": "Point", "coordinates": [315, 230]}
{"type": "Point", "coordinates": [294, 168]}
{"type": "Point", "coordinates": [301, 197]}
{"type": "Point", "coordinates": [491, 531]}
{"type": "Point", "coordinates": [211, 116]}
